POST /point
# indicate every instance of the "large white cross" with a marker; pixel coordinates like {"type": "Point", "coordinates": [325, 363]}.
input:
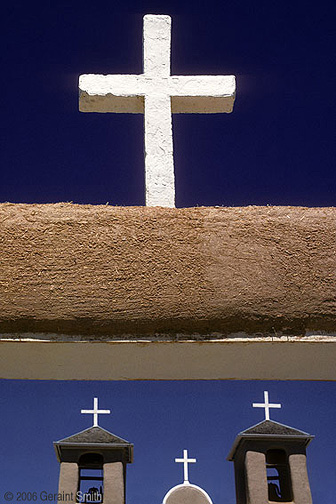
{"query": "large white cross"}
{"type": "Point", "coordinates": [185, 461]}
{"type": "Point", "coordinates": [95, 412]}
{"type": "Point", "coordinates": [157, 94]}
{"type": "Point", "coordinates": [266, 405]}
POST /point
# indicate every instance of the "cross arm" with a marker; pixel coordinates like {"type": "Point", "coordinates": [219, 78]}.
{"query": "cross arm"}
{"type": "Point", "coordinates": [203, 94]}
{"type": "Point", "coordinates": [111, 93]}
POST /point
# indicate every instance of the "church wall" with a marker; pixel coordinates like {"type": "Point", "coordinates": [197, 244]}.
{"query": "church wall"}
{"type": "Point", "coordinates": [68, 481]}
{"type": "Point", "coordinates": [256, 482]}
{"type": "Point", "coordinates": [249, 291]}
{"type": "Point", "coordinates": [299, 476]}
{"type": "Point", "coordinates": [102, 270]}
{"type": "Point", "coordinates": [246, 359]}
{"type": "Point", "coordinates": [114, 492]}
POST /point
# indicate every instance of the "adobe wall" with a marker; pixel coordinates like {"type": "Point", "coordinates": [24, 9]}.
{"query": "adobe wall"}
{"type": "Point", "coordinates": [102, 292]}
{"type": "Point", "coordinates": [137, 271]}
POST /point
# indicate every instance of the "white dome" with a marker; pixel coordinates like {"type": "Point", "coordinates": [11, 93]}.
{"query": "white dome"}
{"type": "Point", "coordinates": [187, 494]}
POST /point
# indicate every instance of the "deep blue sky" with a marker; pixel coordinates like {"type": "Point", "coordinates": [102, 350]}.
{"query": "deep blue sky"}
{"type": "Point", "coordinates": [161, 419]}
{"type": "Point", "coordinates": [278, 146]}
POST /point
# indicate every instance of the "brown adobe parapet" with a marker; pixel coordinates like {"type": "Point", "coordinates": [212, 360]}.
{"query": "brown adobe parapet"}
{"type": "Point", "coordinates": [137, 271]}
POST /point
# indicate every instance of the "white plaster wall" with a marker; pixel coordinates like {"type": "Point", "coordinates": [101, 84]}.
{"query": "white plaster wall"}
{"type": "Point", "coordinates": [59, 357]}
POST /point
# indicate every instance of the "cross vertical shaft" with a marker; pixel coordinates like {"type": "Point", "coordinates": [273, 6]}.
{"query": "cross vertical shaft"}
{"type": "Point", "coordinates": [159, 163]}
{"type": "Point", "coordinates": [156, 45]}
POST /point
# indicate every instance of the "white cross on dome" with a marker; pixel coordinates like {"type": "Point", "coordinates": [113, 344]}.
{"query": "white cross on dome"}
{"type": "Point", "coordinates": [185, 461]}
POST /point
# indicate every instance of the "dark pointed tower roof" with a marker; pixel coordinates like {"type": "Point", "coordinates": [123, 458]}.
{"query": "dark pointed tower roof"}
{"type": "Point", "coordinates": [94, 438]}
{"type": "Point", "coordinates": [268, 429]}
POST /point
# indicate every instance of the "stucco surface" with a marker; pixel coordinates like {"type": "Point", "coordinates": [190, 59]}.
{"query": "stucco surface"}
{"type": "Point", "coordinates": [116, 271]}
{"type": "Point", "coordinates": [114, 485]}
{"type": "Point", "coordinates": [68, 480]}
{"type": "Point", "coordinates": [256, 479]}
{"type": "Point", "coordinates": [187, 494]}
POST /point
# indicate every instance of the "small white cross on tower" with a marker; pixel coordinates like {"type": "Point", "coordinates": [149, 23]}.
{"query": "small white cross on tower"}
{"type": "Point", "coordinates": [185, 461]}
{"type": "Point", "coordinates": [157, 95]}
{"type": "Point", "coordinates": [95, 412]}
{"type": "Point", "coordinates": [266, 405]}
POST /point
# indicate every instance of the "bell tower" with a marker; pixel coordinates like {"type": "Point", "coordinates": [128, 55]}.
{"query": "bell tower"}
{"type": "Point", "coordinates": [93, 464]}
{"type": "Point", "coordinates": [270, 463]}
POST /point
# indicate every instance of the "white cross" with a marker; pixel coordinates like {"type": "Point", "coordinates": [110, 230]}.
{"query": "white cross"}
{"type": "Point", "coordinates": [266, 405]}
{"type": "Point", "coordinates": [157, 95]}
{"type": "Point", "coordinates": [95, 412]}
{"type": "Point", "coordinates": [185, 461]}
